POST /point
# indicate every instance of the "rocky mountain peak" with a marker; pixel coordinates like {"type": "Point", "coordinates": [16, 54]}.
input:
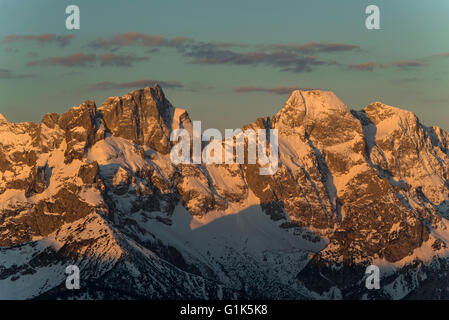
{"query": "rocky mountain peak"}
{"type": "Point", "coordinates": [352, 188]}
{"type": "Point", "coordinates": [3, 119]}
{"type": "Point", "coordinates": [156, 92]}
{"type": "Point", "coordinates": [379, 112]}
{"type": "Point", "coordinates": [315, 101]}
{"type": "Point", "coordinates": [310, 105]}
{"type": "Point", "coordinates": [144, 116]}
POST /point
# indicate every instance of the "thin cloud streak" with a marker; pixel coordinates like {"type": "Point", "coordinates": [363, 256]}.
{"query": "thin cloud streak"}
{"type": "Point", "coordinates": [157, 41]}
{"type": "Point", "coordinates": [108, 85]}
{"type": "Point", "coordinates": [61, 40]}
{"type": "Point", "coordinates": [275, 90]}
{"type": "Point", "coordinates": [403, 65]}
{"type": "Point", "coordinates": [138, 39]}
{"type": "Point", "coordinates": [75, 60]}
{"type": "Point", "coordinates": [367, 66]}
{"type": "Point", "coordinates": [85, 60]}
{"type": "Point", "coordinates": [311, 47]}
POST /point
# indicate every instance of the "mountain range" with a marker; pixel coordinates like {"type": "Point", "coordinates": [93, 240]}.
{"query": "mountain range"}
{"type": "Point", "coordinates": [95, 187]}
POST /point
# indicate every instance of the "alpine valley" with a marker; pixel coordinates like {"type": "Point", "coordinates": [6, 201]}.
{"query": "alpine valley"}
{"type": "Point", "coordinates": [95, 187]}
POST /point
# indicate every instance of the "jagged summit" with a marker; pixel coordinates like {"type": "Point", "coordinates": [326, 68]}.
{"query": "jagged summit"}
{"type": "Point", "coordinates": [3, 118]}
{"type": "Point", "coordinates": [154, 93]}
{"type": "Point", "coordinates": [316, 102]}
{"type": "Point", "coordinates": [310, 104]}
{"type": "Point", "coordinates": [145, 116]}
{"type": "Point", "coordinates": [379, 112]}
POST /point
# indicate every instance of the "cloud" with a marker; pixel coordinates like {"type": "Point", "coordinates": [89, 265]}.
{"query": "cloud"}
{"type": "Point", "coordinates": [292, 57]}
{"type": "Point", "coordinates": [401, 65]}
{"type": "Point", "coordinates": [179, 41]}
{"type": "Point", "coordinates": [107, 85]}
{"type": "Point", "coordinates": [404, 64]}
{"type": "Point", "coordinates": [311, 47]}
{"type": "Point", "coordinates": [186, 43]}
{"type": "Point", "coordinates": [8, 74]}
{"type": "Point", "coordinates": [367, 66]}
{"type": "Point", "coordinates": [83, 60]}
{"type": "Point", "coordinates": [139, 39]}
{"type": "Point", "coordinates": [109, 59]}
{"type": "Point", "coordinates": [205, 46]}
{"type": "Point", "coordinates": [285, 57]}
{"type": "Point", "coordinates": [286, 61]}
{"type": "Point", "coordinates": [61, 40]}
{"type": "Point", "coordinates": [155, 41]}
{"type": "Point", "coordinates": [276, 90]}
{"type": "Point", "coordinates": [75, 60]}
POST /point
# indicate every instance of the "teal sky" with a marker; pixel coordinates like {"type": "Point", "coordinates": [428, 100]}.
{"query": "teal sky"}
{"type": "Point", "coordinates": [236, 54]}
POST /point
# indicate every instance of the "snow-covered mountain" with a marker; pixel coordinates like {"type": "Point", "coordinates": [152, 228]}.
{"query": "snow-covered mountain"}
{"type": "Point", "coordinates": [95, 187]}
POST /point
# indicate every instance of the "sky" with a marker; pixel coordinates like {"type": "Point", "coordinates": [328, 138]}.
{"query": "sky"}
{"type": "Point", "coordinates": [226, 62]}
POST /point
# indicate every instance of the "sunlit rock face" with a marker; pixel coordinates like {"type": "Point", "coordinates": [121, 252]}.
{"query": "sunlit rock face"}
{"type": "Point", "coordinates": [96, 187]}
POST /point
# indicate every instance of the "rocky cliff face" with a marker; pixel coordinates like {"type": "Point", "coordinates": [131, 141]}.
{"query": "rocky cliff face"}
{"type": "Point", "coordinates": [95, 187]}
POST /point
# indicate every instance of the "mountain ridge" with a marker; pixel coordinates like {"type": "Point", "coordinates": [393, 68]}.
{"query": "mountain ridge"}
{"type": "Point", "coordinates": [353, 188]}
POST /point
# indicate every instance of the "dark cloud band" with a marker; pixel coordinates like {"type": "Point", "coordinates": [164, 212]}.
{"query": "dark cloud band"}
{"type": "Point", "coordinates": [276, 90]}
{"type": "Point", "coordinates": [84, 60]}
{"type": "Point", "coordinates": [107, 85]}
{"type": "Point", "coordinates": [61, 40]}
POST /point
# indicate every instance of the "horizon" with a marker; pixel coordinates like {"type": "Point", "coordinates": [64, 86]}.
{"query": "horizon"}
{"type": "Point", "coordinates": [221, 129]}
{"type": "Point", "coordinates": [3, 116]}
